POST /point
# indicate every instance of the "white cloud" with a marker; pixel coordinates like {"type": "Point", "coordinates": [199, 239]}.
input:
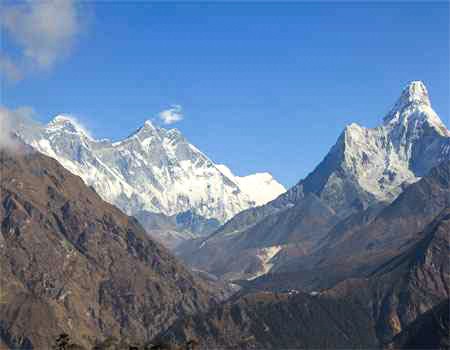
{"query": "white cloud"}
{"type": "Point", "coordinates": [171, 115]}
{"type": "Point", "coordinates": [9, 123]}
{"type": "Point", "coordinates": [42, 31]}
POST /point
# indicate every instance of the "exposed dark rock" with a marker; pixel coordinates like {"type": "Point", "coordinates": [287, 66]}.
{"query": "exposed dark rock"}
{"type": "Point", "coordinates": [430, 330]}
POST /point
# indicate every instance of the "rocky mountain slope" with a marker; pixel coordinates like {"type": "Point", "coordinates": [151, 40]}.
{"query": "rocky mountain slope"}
{"type": "Point", "coordinates": [429, 331]}
{"type": "Point", "coordinates": [363, 172]}
{"type": "Point", "coordinates": [153, 170]}
{"type": "Point", "coordinates": [409, 284]}
{"type": "Point", "coordinates": [403, 303]}
{"type": "Point", "coordinates": [277, 321]}
{"type": "Point", "coordinates": [70, 262]}
{"type": "Point", "coordinates": [248, 254]}
{"type": "Point", "coordinates": [354, 247]}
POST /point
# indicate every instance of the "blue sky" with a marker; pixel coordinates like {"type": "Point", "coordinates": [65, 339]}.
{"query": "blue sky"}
{"type": "Point", "coordinates": [262, 86]}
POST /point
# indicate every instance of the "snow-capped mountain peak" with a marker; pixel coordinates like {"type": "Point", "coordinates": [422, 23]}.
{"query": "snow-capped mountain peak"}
{"type": "Point", "coordinates": [147, 129]}
{"type": "Point", "coordinates": [402, 149]}
{"type": "Point", "coordinates": [367, 165]}
{"type": "Point", "coordinates": [153, 169]}
{"type": "Point", "coordinates": [66, 123]}
{"type": "Point", "coordinates": [415, 92]}
{"type": "Point", "coordinates": [413, 111]}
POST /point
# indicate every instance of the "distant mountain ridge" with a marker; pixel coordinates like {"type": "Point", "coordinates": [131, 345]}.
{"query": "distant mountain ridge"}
{"type": "Point", "coordinates": [154, 170]}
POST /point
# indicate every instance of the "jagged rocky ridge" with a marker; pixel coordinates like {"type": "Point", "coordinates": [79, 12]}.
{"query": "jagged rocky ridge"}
{"type": "Point", "coordinates": [363, 172]}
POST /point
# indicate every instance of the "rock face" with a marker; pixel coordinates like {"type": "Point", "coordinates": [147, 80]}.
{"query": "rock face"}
{"type": "Point", "coordinates": [364, 171]}
{"type": "Point", "coordinates": [429, 331]}
{"type": "Point", "coordinates": [72, 263]}
{"type": "Point", "coordinates": [153, 170]}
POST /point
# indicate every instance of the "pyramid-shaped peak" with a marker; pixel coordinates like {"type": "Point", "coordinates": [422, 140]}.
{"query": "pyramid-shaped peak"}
{"type": "Point", "coordinates": [147, 129]}
{"type": "Point", "coordinates": [414, 92]}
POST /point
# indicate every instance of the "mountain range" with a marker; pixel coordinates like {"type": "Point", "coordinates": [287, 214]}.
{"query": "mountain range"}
{"type": "Point", "coordinates": [355, 255]}
{"type": "Point", "coordinates": [74, 264]}
{"type": "Point", "coordinates": [153, 171]}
